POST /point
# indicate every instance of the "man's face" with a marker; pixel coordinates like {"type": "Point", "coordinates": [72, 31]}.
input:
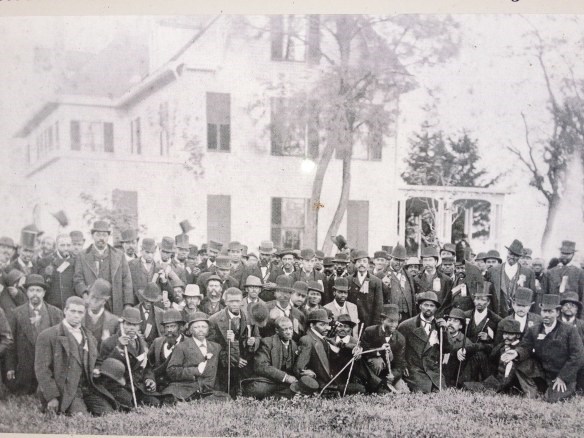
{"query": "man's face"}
{"type": "Point", "coordinates": [361, 265]}
{"type": "Point", "coordinates": [77, 246]}
{"type": "Point", "coordinates": [308, 265]}
{"type": "Point", "coordinates": [253, 291]}
{"type": "Point", "coordinates": [35, 295]}
{"type": "Point", "coordinates": [26, 254]}
{"type": "Point", "coordinates": [344, 330]}
{"type": "Point", "coordinates": [95, 303]}
{"type": "Point", "coordinates": [566, 258]}
{"type": "Point", "coordinates": [321, 327]}
{"type": "Point", "coordinates": [428, 309]}
{"type": "Point", "coordinates": [288, 262]}
{"type": "Point", "coordinates": [512, 258]}
{"type": "Point", "coordinates": [199, 330]}
{"type": "Point", "coordinates": [223, 273]}
{"type": "Point", "coordinates": [282, 297]}
{"type": "Point", "coordinates": [397, 264]}
{"type": "Point", "coordinates": [298, 298]}
{"type": "Point", "coordinates": [549, 316]}
{"type": "Point", "coordinates": [130, 329]}
{"type": "Point", "coordinates": [340, 268]}
{"type": "Point", "coordinates": [171, 331]}
{"type": "Point", "coordinates": [509, 338]}
{"type": "Point", "coordinates": [252, 260]}
{"type": "Point", "coordinates": [234, 255]}
{"type": "Point", "coordinates": [285, 330]}
{"type": "Point", "coordinates": [454, 325]}
{"type": "Point", "coordinates": [192, 302]}
{"type": "Point", "coordinates": [318, 265]}
{"type": "Point", "coordinates": [314, 297]}
{"type": "Point", "coordinates": [341, 296]}
{"type": "Point", "coordinates": [390, 324]}
{"type": "Point", "coordinates": [380, 263]}
{"type": "Point", "coordinates": [178, 294]}
{"type": "Point", "coordinates": [212, 254]}
{"type": "Point", "coordinates": [569, 309]}
{"type": "Point", "coordinates": [64, 245]}
{"type": "Point", "coordinates": [413, 270]}
{"type": "Point", "coordinates": [537, 267]}
{"type": "Point", "coordinates": [521, 310]}
{"type": "Point", "coordinates": [491, 262]}
{"type": "Point", "coordinates": [214, 291]}
{"type": "Point", "coordinates": [130, 247]}
{"type": "Point", "coordinates": [233, 303]}
{"type": "Point", "coordinates": [481, 303]}
{"type": "Point", "coordinates": [74, 314]}
{"type": "Point", "coordinates": [6, 252]}
{"type": "Point", "coordinates": [100, 239]}
{"type": "Point", "coordinates": [148, 255]}
{"type": "Point", "coordinates": [181, 254]}
{"type": "Point", "coordinates": [447, 268]}
{"type": "Point", "coordinates": [165, 255]}
{"type": "Point", "coordinates": [481, 265]}
{"type": "Point", "coordinates": [265, 258]}
{"type": "Point", "coordinates": [147, 305]}
{"type": "Point", "coordinates": [429, 263]}
{"type": "Point", "coordinates": [525, 262]}
{"type": "Point", "coordinates": [48, 245]}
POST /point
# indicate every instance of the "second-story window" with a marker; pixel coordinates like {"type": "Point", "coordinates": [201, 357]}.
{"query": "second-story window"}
{"type": "Point", "coordinates": [218, 122]}
{"type": "Point", "coordinates": [136, 136]}
{"type": "Point", "coordinates": [294, 127]}
{"type": "Point", "coordinates": [295, 38]}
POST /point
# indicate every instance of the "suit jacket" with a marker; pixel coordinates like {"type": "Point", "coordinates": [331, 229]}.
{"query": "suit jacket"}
{"type": "Point", "coordinates": [8, 303]}
{"type": "Point", "coordinates": [268, 360]}
{"type": "Point", "coordinates": [575, 281]}
{"type": "Point", "coordinates": [179, 270]}
{"type": "Point", "coordinates": [119, 277]}
{"type": "Point", "coordinates": [423, 359]}
{"type": "Point", "coordinates": [106, 325]}
{"type": "Point", "coordinates": [15, 264]}
{"type": "Point", "coordinates": [491, 322]}
{"type": "Point", "coordinates": [218, 326]}
{"type": "Point", "coordinates": [368, 299]}
{"type": "Point", "coordinates": [296, 316]}
{"type": "Point", "coordinates": [60, 284]}
{"type": "Point", "coordinates": [396, 291]}
{"type": "Point", "coordinates": [532, 320]}
{"type": "Point", "coordinates": [158, 363]}
{"type": "Point", "coordinates": [206, 307]}
{"type": "Point", "coordinates": [6, 339]}
{"type": "Point", "coordinates": [300, 275]}
{"type": "Point", "coordinates": [245, 306]}
{"type": "Point", "coordinates": [330, 283]}
{"type": "Point", "coordinates": [499, 303]}
{"type": "Point", "coordinates": [579, 324]}
{"type": "Point", "coordinates": [351, 310]}
{"type": "Point", "coordinates": [424, 284]}
{"type": "Point", "coordinates": [374, 337]}
{"type": "Point", "coordinates": [240, 274]}
{"type": "Point", "coordinates": [313, 355]}
{"type": "Point", "coordinates": [140, 277]}
{"type": "Point", "coordinates": [158, 312]}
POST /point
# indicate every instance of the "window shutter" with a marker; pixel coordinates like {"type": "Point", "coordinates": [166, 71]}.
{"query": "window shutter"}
{"type": "Point", "coordinates": [278, 124]}
{"type": "Point", "coordinates": [277, 36]}
{"type": "Point", "coordinates": [313, 55]}
{"type": "Point", "coordinates": [75, 136]}
{"type": "Point", "coordinates": [225, 136]}
{"type": "Point", "coordinates": [218, 121]}
{"type": "Point", "coordinates": [108, 137]}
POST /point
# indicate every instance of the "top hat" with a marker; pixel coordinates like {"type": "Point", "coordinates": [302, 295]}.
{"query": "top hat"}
{"type": "Point", "coordinates": [307, 254]}
{"type": "Point", "coordinates": [223, 262]}
{"type": "Point", "coordinates": [27, 240]}
{"type": "Point", "coordinates": [450, 247]}
{"type": "Point", "coordinates": [516, 248]}
{"type": "Point", "coordinates": [114, 369]}
{"type": "Point", "coordinates": [76, 236]}
{"type": "Point", "coordinates": [167, 244]}
{"type": "Point", "coordinates": [550, 301]}
{"type": "Point", "coordinates": [35, 280]}
{"type": "Point", "coordinates": [192, 290]}
{"type": "Point", "coordinates": [318, 315]}
{"type": "Point", "coordinates": [13, 276]}
{"type": "Point", "coordinates": [7, 241]}
{"type": "Point", "coordinates": [267, 247]}
{"type": "Point", "coordinates": [185, 226]}
{"type": "Point", "coordinates": [457, 313]}
{"type": "Point", "coordinates": [327, 262]}
{"type": "Point", "coordinates": [300, 286]}
{"type": "Point", "coordinates": [33, 229]}
{"type": "Point", "coordinates": [527, 252]}
{"type": "Point", "coordinates": [339, 241]}
{"type": "Point", "coordinates": [182, 241]}
{"type": "Point", "coordinates": [510, 326]}
{"type": "Point", "coordinates": [234, 246]}
{"type": "Point", "coordinates": [399, 252]}
{"type": "Point", "coordinates": [485, 292]}
{"type": "Point", "coordinates": [193, 251]}
{"type": "Point", "coordinates": [412, 261]}
{"type": "Point", "coordinates": [430, 251]}
{"type": "Point", "coordinates": [428, 296]}
{"type": "Point", "coordinates": [481, 256]}
{"type": "Point", "coordinates": [360, 254]}
{"type": "Point", "coordinates": [128, 236]}
{"type": "Point", "coordinates": [319, 254]}
{"type": "Point", "coordinates": [151, 293]}
{"type": "Point", "coordinates": [101, 226]}
{"type": "Point", "coordinates": [570, 297]}
{"type": "Point", "coordinates": [341, 283]}
{"type": "Point", "coordinates": [148, 244]}
{"type": "Point", "coordinates": [315, 286]}
{"type": "Point", "coordinates": [568, 247]}
{"type": "Point", "coordinates": [258, 314]}
{"type": "Point", "coordinates": [306, 385]}
{"type": "Point", "coordinates": [131, 315]}
{"type": "Point", "coordinates": [341, 257]}
{"type": "Point", "coordinates": [252, 280]}
{"type": "Point", "coordinates": [523, 296]}
{"type": "Point", "coordinates": [171, 316]}
{"type": "Point", "coordinates": [214, 246]}
{"type": "Point", "coordinates": [346, 319]}
{"type": "Point", "coordinates": [381, 255]}
{"type": "Point", "coordinates": [388, 249]}
{"type": "Point", "coordinates": [61, 218]}
{"type": "Point", "coordinates": [101, 288]}
{"type": "Point", "coordinates": [197, 316]}
{"type": "Point", "coordinates": [390, 310]}
{"type": "Point", "coordinates": [493, 254]}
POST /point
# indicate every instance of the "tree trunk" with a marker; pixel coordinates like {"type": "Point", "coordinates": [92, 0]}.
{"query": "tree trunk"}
{"type": "Point", "coordinates": [343, 202]}
{"type": "Point", "coordinates": [549, 223]}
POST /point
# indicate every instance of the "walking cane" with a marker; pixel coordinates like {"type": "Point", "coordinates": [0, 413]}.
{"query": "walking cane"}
{"type": "Point", "coordinates": [440, 380]}
{"type": "Point", "coordinates": [353, 363]}
{"type": "Point", "coordinates": [463, 344]}
{"type": "Point", "coordinates": [229, 360]}
{"type": "Point", "coordinates": [129, 368]}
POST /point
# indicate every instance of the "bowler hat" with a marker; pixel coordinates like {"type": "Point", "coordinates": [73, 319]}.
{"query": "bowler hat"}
{"type": "Point", "coordinates": [450, 247]}
{"type": "Point", "coordinates": [101, 226]}
{"type": "Point", "coordinates": [167, 244]}
{"type": "Point", "coordinates": [318, 315]}
{"type": "Point", "coordinates": [360, 254]}
{"type": "Point", "coordinates": [223, 262]}
{"type": "Point", "coordinates": [516, 248]}
{"type": "Point", "coordinates": [339, 241]}
{"type": "Point", "coordinates": [7, 241]}
{"type": "Point", "coordinates": [570, 297]}
{"type": "Point", "coordinates": [214, 246]}
{"type": "Point", "coordinates": [447, 259]}
{"type": "Point", "coordinates": [428, 296]}
{"type": "Point", "coordinates": [27, 240]}
{"type": "Point", "coordinates": [315, 286]}
{"type": "Point", "coordinates": [341, 283]}
{"type": "Point", "coordinates": [131, 315]}
{"type": "Point", "coordinates": [550, 301]}
{"type": "Point", "coordinates": [456, 313]}
{"type": "Point", "coordinates": [388, 249]}
{"type": "Point", "coordinates": [148, 244]}
{"type": "Point", "coordinates": [213, 277]}
{"type": "Point", "coordinates": [527, 252]}
{"type": "Point", "coordinates": [568, 247]}
{"type": "Point", "coordinates": [412, 261]}
{"type": "Point", "coordinates": [523, 296]}
{"type": "Point", "coordinates": [114, 369]}
{"type": "Point", "coordinates": [171, 316]}
{"type": "Point", "coordinates": [381, 255]}
{"type": "Point", "coordinates": [284, 283]}
{"type": "Point", "coordinates": [493, 254]}
{"type": "Point", "coordinates": [300, 286]}
{"type": "Point", "coordinates": [175, 281]}
{"type": "Point", "coordinates": [128, 236]}
{"type": "Point", "coordinates": [510, 326]}
{"type": "Point", "coordinates": [182, 241]}
{"type": "Point", "coordinates": [151, 293]}
{"type": "Point", "coordinates": [13, 276]}
{"type": "Point", "coordinates": [327, 262]}
{"type": "Point", "coordinates": [76, 236]}
{"type": "Point", "coordinates": [203, 249]}
{"type": "Point", "coordinates": [307, 254]}
{"type": "Point", "coordinates": [35, 280]}
{"type": "Point", "coordinates": [185, 226]}
{"type": "Point", "coordinates": [319, 254]}
{"type": "Point", "coordinates": [399, 252]}
{"type": "Point", "coordinates": [101, 288]}
{"type": "Point", "coordinates": [286, 251]}
{"type": "Point", "coordinates": [430, 251]}
{"type": "Point", "coordinates": [258, 314]}
{"type": "Point", "coordinates": [192, 290]}
{"type": "Point", "coordinates": [389, 310]}
{"type": "Point", "coordinates": [234, 246]}
{"type": "Point", "coordinates": [193, 251]}
{"type": "Point", "coordinates": [252, 280]}
{"type": "Point", "coordinates": [197, 316]}
{"type": "Point", "coordinates": [346, 319]}
{"type": "Point", "coordinates": [267, 247]}
{"type": "Point", "coordinates": [306, 385]}
{"type": "Point", "coordinates": [61, 218]}
{"type": "Point", "coordinates": [341, 257]}
{"type": "Point", "coordinates": [481, 256]}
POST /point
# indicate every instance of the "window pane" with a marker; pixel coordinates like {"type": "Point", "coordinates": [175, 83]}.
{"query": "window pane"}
{"type": "Point", "coordinates": [108, 137]}
{"type": "Point", "coordinates": [291, 239]}
{"type": "Point", "coordinates": [225, 135]}
{"type": "Point", "coordinates": [293, 212]}
{"type": "Point", "coordinates": [218, 108]}
{"type": "Point", "coordinates": [276, 211]}
{"type": "Point", "coordinates": [211, 136]}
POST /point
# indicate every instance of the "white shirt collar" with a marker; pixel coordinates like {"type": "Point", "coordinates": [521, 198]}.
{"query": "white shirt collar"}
{"type": "Point", "coordinates": [510, 270]}
{"type": "Point", "coordinates": [232, 315]}
{"type": "Point", "coordinates": [200, 343]}
{"type": "Point", "coordinates": [346, 339]}
{"type": "Point", "coordinates": [95, 316]}
{"type": "Point", "coordinates": [547, 329]}
{"type": "Point", "coordinates": [343, 307]}
{"type": "Point", "coordinates": [479, 316]}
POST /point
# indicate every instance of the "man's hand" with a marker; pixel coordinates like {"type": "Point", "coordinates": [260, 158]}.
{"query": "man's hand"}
{"type": "Point", "coordinates": [127, 306]}
{"type": "Point", "coordinates": [53, 405]}
{"type": "Point", "coordinates": [10, 375]}
{"type": "Point", "coordinates": [308, 373]}
{"type": "Point", "coordinates": [150, 385]}
{"type": "Point", "coordinates": [461, 354]}
{"type": "Point", "coordinates": [559, 385]}
{"type": "Point", "coordinates": [508, 356]}
{"type": "Point", "coordinates": [123, 340]}
{"type": "Point", "coordinates": [291, 379]}
{"type": "Point", "coordinates": [242, 362]}
{"type": "Point", "coordinates": [251, 342]}
{"type": "Point", "coordinates": [49, 270]}
{"type": "Point", "coordinates": [483, 336]}
{"type": "Point", "coordinates": [230, 336]}
{"type": "Point", "coordinates": [96, 373]}
{"type": "Point", "coordinates": [440, 322]}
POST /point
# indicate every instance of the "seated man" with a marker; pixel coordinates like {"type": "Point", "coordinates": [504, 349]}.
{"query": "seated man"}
{"type": "Point", "coordinates": [274, 364]}
{"type": "Point", "coordinates": [111, 381]}
{"type": "Point", "coordinates": [387, 367]}
{"type": "Point", "coordinates": [462, 350]}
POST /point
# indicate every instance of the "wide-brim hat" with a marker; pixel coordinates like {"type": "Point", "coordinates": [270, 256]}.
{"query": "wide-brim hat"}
{"type": "Point", "coordinates": [258, 314]}
{"type": "Point", "coordinates": [493, 254]}
{"type": "Point", "coordinates": [223, 262]}
{"type": "Point", "coordinates": [252, 280]}
{"type": "Point", "coordinates": [286, 251]}
{"type": "Point", "coordinates": [568, 247]}
{"type": "Point", "coordinates": [515, 248]}
{"type": "Point", "coordinates": [196, 317]}
{"type": "Point", "coordinates": [114, 369]}
{"type": "Point", "coordinates": [318, 315]}
{"type": "Point", "coordinates": [306, 385]}
{"type": "Point", "coordinates": [35, 280]}
{"type": "Point", "coordinates": [450, 247]}
{"type": "Point", "coordinates": [101, 226]}
{"type": "Point", "coordinates": [570, 297]}
{"type": "Point", "coordinates": [481, 256]}
{"type": "Point", "coordinates": [346, 319]}
{"type": "Point", "coordinates": [7, 241]}
{"type": "Point", "coordinates": [172, 316]}
{"type": "Point", "coordinates": [234, 246]}
{"type": "Point", "coordinates": [131, 315]}
{"type": "Point", "coordinates": [192, 290]}
{"type": "Point", "coordinates": [428, 296]}
{"type": "Point", "coordinates": [456, 313]}
{"type": "Point", "coordinates": [327, 262]}
{"type": "Point", "coordinates": [284, 284]}
{"type": "Point", "coordinates": [128, 236]}
{"type": "Point", "coordinates": [430, 251]}
{"type": "Point", "coordinates": [361, 254]}
{"type": "Point", "coordinates": [151, 293]}
{"type": "Point", "coordinates": [550, 301]}
{"type": "Point", "coordinates": [267, 247]}
{"type": "Point", "coordinates": [341, 257]}
{"type": "Point", "coordinates": [341, 284]}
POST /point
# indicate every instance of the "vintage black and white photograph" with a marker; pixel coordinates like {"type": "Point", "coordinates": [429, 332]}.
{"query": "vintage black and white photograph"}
{"type": "Point", "coordinates": [290, 225]}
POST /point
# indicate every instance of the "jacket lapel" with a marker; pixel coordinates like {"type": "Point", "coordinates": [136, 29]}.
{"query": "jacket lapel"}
{"type": "Point", "coordinates": [115, 261]}
{"type": "Point", "coordinates": [26, 324]}
{"type": "Point", "coordinates": [90, 260]}
{"type": "Point", "coordinates": [277, 352]}
{"type": "Point", "coordinates": [321, 353]}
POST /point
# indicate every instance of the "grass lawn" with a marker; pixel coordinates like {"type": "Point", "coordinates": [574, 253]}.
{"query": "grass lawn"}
{"type": "Point", "coordinates": [449, 414]}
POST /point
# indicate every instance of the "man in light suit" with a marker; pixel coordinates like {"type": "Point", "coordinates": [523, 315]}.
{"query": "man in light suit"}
{"type": "Point", "coordinates": [340, 305]}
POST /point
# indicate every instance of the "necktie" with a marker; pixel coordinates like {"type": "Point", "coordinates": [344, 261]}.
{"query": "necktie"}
{"type": "Point", "coordinates": [203, 349]}
{"type": "Point", "coordinates": [427, 326]}
{"type": "Point", "coordinates": [235, 324]}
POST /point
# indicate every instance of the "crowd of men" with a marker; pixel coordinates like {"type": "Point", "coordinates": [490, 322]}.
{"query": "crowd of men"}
{"type": "Point", "coordinates": [92, 328]}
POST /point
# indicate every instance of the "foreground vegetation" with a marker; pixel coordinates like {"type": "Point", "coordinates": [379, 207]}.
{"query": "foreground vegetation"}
{"type": "Point", "coordinates": [450, 414]}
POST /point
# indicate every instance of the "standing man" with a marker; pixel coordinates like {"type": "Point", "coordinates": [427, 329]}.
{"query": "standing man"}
{"type": "Point", "coordinates": [11, 294]}
{"type": "Point", "coordinates": [193, 298]}
{"type": "Point", "coordinates": [567, 276]}
{"type": "Point", "coordinates": [430, 279]}
{"type": "Point", "coordinates": [213, 249]}
{"type": "Point", "coordinates": [493, 258]}
{"type": "Point", "coordinates": [150, 314]}
{"type": "Point", "coordinates": [7, 250]}
{"type": "Point", "coordinates": [366, 291]}
{"type": "Point", "coordinates": [58, 269]}
{"type": "Point", "coordinates": [399, 287]}
{"type": "Point", "coordinates": [6, 341]}
{"type": "Point", "coordinates": [77, 242]}
{"type": "Point", "coordinates": [26, 253]}
{"type": "Point", "coordinates": [98, 321]}
{"type": "Point", "coordinates": [521, 304]}
{"type": "Point", "coordinates": [541, 281]}
{"type": "Point", "coordinates": [381, 260]}
{"type": "Point", "coordinates": [26, 323]}
{"type": "Point", "coordinates": [340, 305]}
{"type": "Point", "coordinates": [238, 269]}
{"type": "Point", "coordinates": [253, 287]}
{"type": "Point", "coordinates": [307, 271]}
{"type": "Point", "coordinates": [179, 261]}
{"type": "Point", "coordinates": [212, 302]}
{"type": "Point", "coordinates": [222, 271]}
{"type": "Point", "coordinates": [266, 251]}
{"type": "Point", "coordinates": [314, 294]}
{"type": "Point", "coordinates": [101, 260]}
{"type": "Point", "coordinates": [143, 268]}
{"type": "Point", "coordinates": [129, 241]}
{"type": "Point", "coordinates": [282, 306]}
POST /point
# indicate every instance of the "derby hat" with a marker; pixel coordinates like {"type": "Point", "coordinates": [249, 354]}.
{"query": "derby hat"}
{"type": "Point", "coordinates": [223, 262]}
{"type": "Point", "coordinates": [196, 317]}
{"type": "Point", "coordinates": [527, 253]}
{"type": "Point", "coordinates": [399, 252]}
{"type": "Point", "coordinates": [76, 236]}
{"type": "Point", "coordinates": [252, 280]}
{"type": "Point", "coordinates": [510, 326]}
{"type": "Point", "coordinates": [319, 254]}
{"type": "Point", "coordinates": [128, 236]}
{"type": "Point", "coordinates": [448, 259]}
{"type": "Point", "coordinates": [214, 246]}
{"type": "Point", "coordinates": [185, 226]}
{"type": "Point", "coordinates": [267, 247]}
{"type": "Point", "coordinates": [176, 282]}
{"type": "Point", "coordinates": [339, 241]}
{"type": "Point", "coordinates": [481, 256]}
{"type": "Point", "coordinates": [389, 310]}
{"type": "Point", "coordinates": [360, 254]}
{"type": "Point", "coordinates": [61, 218]}
{"type": "Point", "coordinates": [131, 315]}
{"type": "Point", "coordinates": [381, 255]}
{"type": "Point", "coordinates": [346, 319]}
{"type": "Point", "coordinates": [341, 283]}
{"type": "Point", "coordinates": [234, 246]}
{"type": "Point", "coordinates": [213, 278]}
{"type": "Point", "coordinates": [172, 316]}
{"type": "Point", "coordinates": [318, 315]}
{"type": "Point", "coordinates": [101, 227]}
{"type": "Point", "coordinates": [570, 297]}
{"type": "Point", "coordinates": [300, 286]}
{"type": "Point", "coordinates": [286, 251]}
{"type": "Point", "coordinates": [428, 296]}
{"type": "Point", "coordinates": [457, 314]}
{"type": "Point", "coordinates": [258, 314]}
{"type": "Point", "coordinates": [388, 249]}
{"type": "Point", "coordinates": [13, 277]}
{"type": "Point", "coordinates": [285, 284]}
{"type": "Point", "coordinates": [493, 254]}
{"type": "Point", "coordinates": [182, 241]}
{"type": "Point", "coordinates": [114, 369]}
{"type": "Point", "coordinates": [7, 241]}
{"type": "Point", "coordinates": [523, 296]}
{"type": "Point", "coordinates": [307, 254]}
{"type": "Point", "coordinates": [193, 251]}
{"type": "Point", "coordinates": [568, 247]}
{"type": "Point", "coordinates": [148, 244]}
{"type": "Point", "coordinates": [35, 280]}
{"type": "Point", "coordinates": [450, 247]}
{"type": "Point", "coordinates": [296, 253]}
{"type": "Point", "coordinates": [151, 293]}
{"type": "Point", "coordinates": [27, 240]}
{"type": "Point", "coordinates": [101, 289]}
{"type": "Point", "coordinates": [167, 244]}
{"type": "Point", "coordinates": [315, 286]}
{"type": "Point", "coordinates": [306, 385]}
{"type": "Point", "coordinates": [412, 261]}
{"type": "Point", "coordinates": [192, 290]}
{"type": "Point", "coordinates": [341, 257]}
{"type": "Point", "coordinates": [327, 262]}
{"type": "Point", "coordinates": [550, 301]}
{"type": "Point", "coordinates": [430, 251]}
{"type": "Point", "coordinates": [516, 248]}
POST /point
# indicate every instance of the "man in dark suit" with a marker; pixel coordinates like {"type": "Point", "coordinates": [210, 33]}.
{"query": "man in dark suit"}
{"type": "Point", "coordinates": [541, 282]}
{"type": "Point", "coordinates": [340, 262]}
{"type": "Point", "coordinates": [282, 306]}
{"type": "Point", "coordinates": [557, 346]}
{"type": "Point", "coordinates": [98, 321]}
{"type": "Point", "coordinates": [26, 323]}
{"type": "Point", "coordinates": [129, 240]}
{"type": "Point", "coordinates": [521, 304]}
{"type": "Point", "coordinates": [212, 251]}
{"type": "Point", "coordinates": [6, 341]}
{"type": "Point", "coordinates": [26, 253]}
{"type": "Point", "coordinates": [507, 277]}
{"type": "Point", "coordinates": [571, 306]}
{"type": "Point", "coordinates": [7, 250]}
{"type": "Point", "coordinates": [151, 315]}
{"type": "Point", "coordinates": [423, 345]}
{"type": "Point", "coordinates": [274, 363]}
{"type": "Point", "coordinates": [430, 279]}
{"type": "Point", "coordinates": [58, 269]}
{"type": "Point", "coordinates": [307, 272]}
{"type": "Point", "coordinates": [265, 265]}
{"type": "Point", "coordinates": [178, 263]}
{"type": "Point", "coordinates": [167, 265]}
{"type": "Point", "coordinates": [65, 366]}
{"type": "Point", "coordinates": [143, 268]}
{"type": "Point", "coordinates": [101, 260]}
{"type": "Point", "coordinates": [567, 276]}
{"type": "Point", "coordinates": [222, 271]}
{"type": "Point", "coordinates": [398, 286]}
{"type": "Point", "coordinates": [366, 291]}
{"type": "Point", "coordinates": [238, 269]}
{"type": "Point", "coordinates": [11, 294]}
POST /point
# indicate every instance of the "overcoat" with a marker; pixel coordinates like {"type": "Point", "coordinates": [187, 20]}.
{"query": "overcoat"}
{"type": "Point", "coordinates": [368, 298]}
{"type": "Point", "coordinates": [58, 274]}
{"type": "Point", "coordinates": [499, 302]}
{"type": "Point", "coordinates": [268, 360]}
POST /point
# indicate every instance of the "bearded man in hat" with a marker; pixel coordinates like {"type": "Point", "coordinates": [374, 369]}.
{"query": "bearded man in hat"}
{"type": "Point", "coordinates": [398, 286]}
{"type": "Point", "coordinates": [193, 298]}
{"type": "Point", "coordinates": [65, 366]}
{"type": "Point", "coordinates": [26, 253]}
{"type": "Point", "coordinates": [507, 277]}
{"type": "Point", "coordinates": [58, 269]}
{"type": "Point", "coordinates": [77, 242]}
{"type": "Point", "coordinates": [222, 271]}
{"type": "Point", "coordinates": [101, 260]}
{"type": "Point", "coordinates": [266, 266]}
{"type": "Point", "coordinates": [557, 346]}
{"type": "Point", "coordinates": [365, 291]}
{"type": "Point", "coordinates": [253, 287]}
{"type": "Point", "coordinates": [571, 306]}
{"type": "Point", "coordinates": [129, 241]}
{"type": "Point", "coordinates": [386, 367]}
{"type": "Point", "coordinates": [213, 302]}
{"type": "Point", "coordinates": [274, 363]}
{"type": "Point", "coordinates": [340, 305]}
{"type": "Point", "coordinates": [521, 304]}
{"type": "Point", "coordinates": [314, 292]}
{"type": "Point", "coordinates": [99, 321]}
{"type": "Point", "coordinates": [423, 345]}
{"type": "Point", "coordinates": [430, 279]}
{"type": "Point", "coordinates": [150, 314]}
{"type": "Point", "coordinates": [282, 306]}
{"type": "Point", "coordinates": [143, 268]}
{"type": "Point", "coordinates": [541, 281]}
{"type": "Point", "coordinates": [381, 260]}
{"type": "Point", "coordinates": [340, 263]}
{"type": "Point", "coordinates": [238, 269]}
{"type": "Point", "coordinates": [162, 348]}
{"type": "Point", "coordinates": [567, 276]}
{"type": "Point", "coordinates": [212, 251]}
{"type": "Point", "coordinates": [26, 323]}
